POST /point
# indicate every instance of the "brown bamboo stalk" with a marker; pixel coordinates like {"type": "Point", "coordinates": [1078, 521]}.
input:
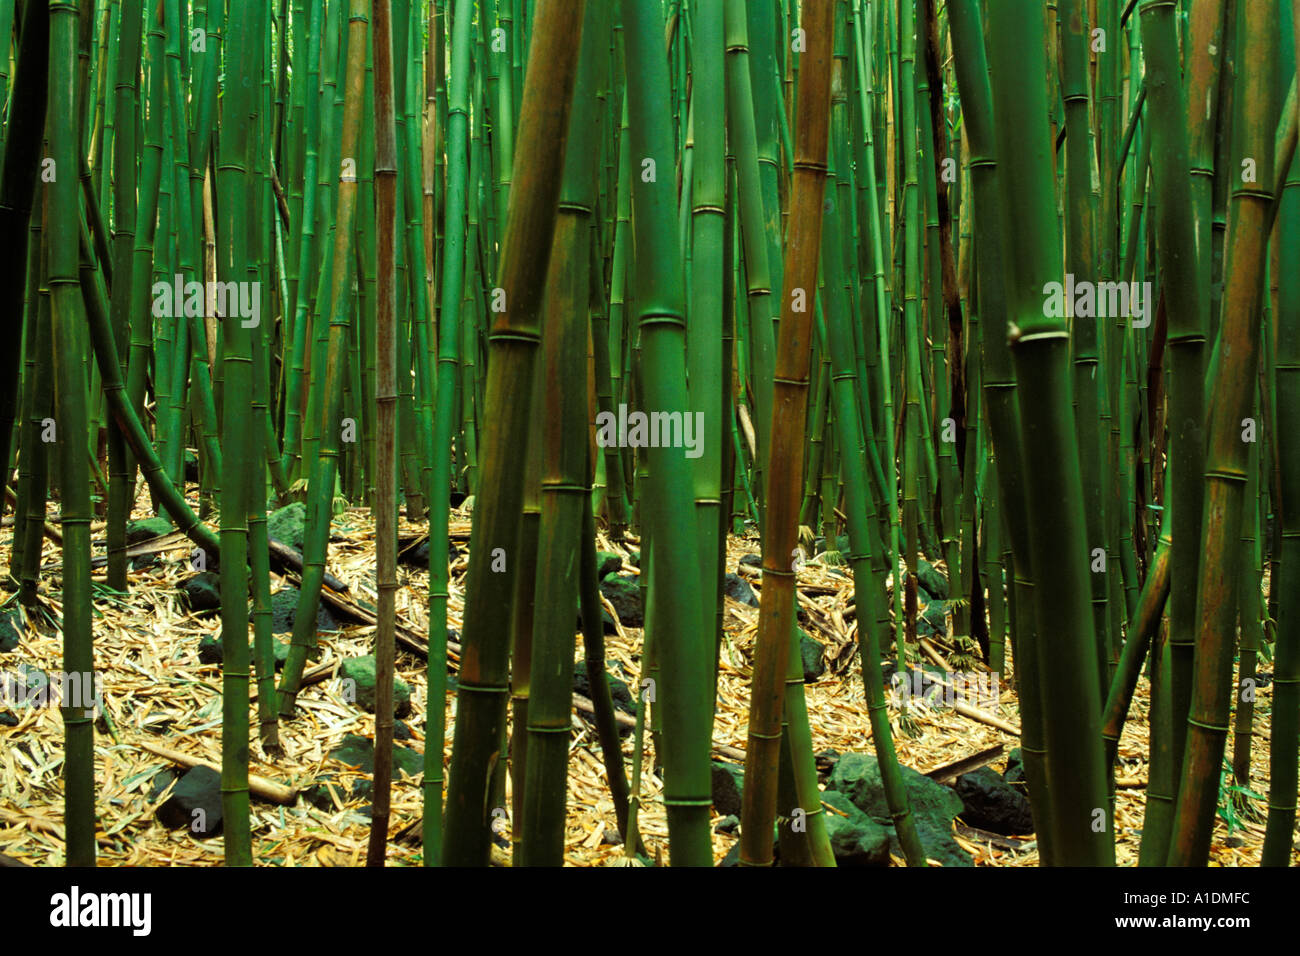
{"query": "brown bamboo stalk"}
{"type": "Point", "coordinates": [386, 422]}
{"type": "Point", "coordinates": [786, 454]}
{"type": "Point", "coordinates": [1227, 457]}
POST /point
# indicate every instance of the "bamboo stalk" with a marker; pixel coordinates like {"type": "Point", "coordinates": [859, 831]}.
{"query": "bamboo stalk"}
{"type": "Point", "coordinates": [673, 606]}
{"type": "Point", "coordinates": [564, 490]}
{"type": "Point", "coordinates": [386, 423]}
{"type": "Point", "coordinates": [70, 376]}
{"type": "Point", "coordinates": [1076, 779]}
{"type": "Point", "coordinates": [785, 455]}
{"type": "Point", "coordinates": [1227, 456]}
{"type": "Point", "coordinates": [1178, 253]}
{"type": "Point", "coordinates": [482, 689]}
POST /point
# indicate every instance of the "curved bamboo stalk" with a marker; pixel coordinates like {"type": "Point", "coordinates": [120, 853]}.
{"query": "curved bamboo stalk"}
{"type": "Point", "coordinates": [593, 644]}
{"type": "Point", "coordinates": [1141, 635]}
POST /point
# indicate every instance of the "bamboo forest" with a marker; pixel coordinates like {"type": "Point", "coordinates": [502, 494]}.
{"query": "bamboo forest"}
{"type": "Point", "coordinates": [649, 433]}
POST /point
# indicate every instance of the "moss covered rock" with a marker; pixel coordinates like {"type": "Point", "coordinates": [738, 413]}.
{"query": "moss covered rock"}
{"type": "Point", "coordinates": [288, 525]}
{"type": "Point", "coordinates": [360, 671]}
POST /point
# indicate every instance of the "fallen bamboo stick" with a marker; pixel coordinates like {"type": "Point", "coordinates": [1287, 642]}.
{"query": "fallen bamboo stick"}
{"type": "Point", "coordinates": [966, 764]}
{"type": "Point", "coordinates": [961, 707]}
{"type": "Point", "coordinates": [258, 786]}
{"type": "Point", "coordinates": [983, 717]}
{"type": "Point", "coordinates": [313, 675]}
{"type": "Point", "coordinates": [51, 532]}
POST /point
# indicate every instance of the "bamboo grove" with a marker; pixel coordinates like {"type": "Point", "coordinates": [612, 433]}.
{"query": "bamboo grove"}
{"type": "Point", "coordinates": [1010, 286]}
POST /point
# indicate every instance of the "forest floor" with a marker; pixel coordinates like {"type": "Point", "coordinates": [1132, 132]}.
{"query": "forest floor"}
{"type": "Point", "coordinates": [156, 691]}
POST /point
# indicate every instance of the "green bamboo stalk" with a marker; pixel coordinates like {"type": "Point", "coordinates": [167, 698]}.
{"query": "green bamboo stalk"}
{"type": "Point", "coordinates": [948, 376]}
{"type": "Point", "coordinates": [334, 66]}
{"type": "Point", "coordinates": [863, 64]}
{"type": "Point", "coordinates": [22, 160]}
{"type": "Point", "coordinates": [320, 493]}
{"type": "Point", "coordinates": [122, 487]}
{"type": "Point", "coordinates": [1081, 262]}
{"type": "Point", "coordinates": [607, 329]}
{"type": "Point", "coordinates": [910, 473]}
{"type": "Point", "coordinates": [1176, 250]}
{"type": "Point", "coordinates": [866, 587]}
{"type": "Point", "coordinates": [453, 265]}
{"type": "Point", "coordinates": [771, 130]}
{"type": "Point", "coordinates": [62, 219]}
{"type": "Point", "coordinates": [305, 240]}
{"type": "Point", "coordinates": [704, 331]}
{"type": "Point", "coordinates": [1284, 740]}
{"type": "Point", "coordinates": [1203, 71]}
{"type": "Point", "coordinates": [34, 454]}
{"type": "Point", "coordinates": [741, 113]}
{"type": "Point", "coordinates": [674, 597]}
{"type": "Point", "coordinates": [147, 218]}
{"type": "Point", "coordinates": [1249, 615]}
{"type": "Point", "coordinates": [482, 688]}
{"type": "Point", "coordinates": [240, 461]}
{"type": "Point", "coordinates": [1071, 701]}
{"type": "Point", "coordinates": [6, 31]}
